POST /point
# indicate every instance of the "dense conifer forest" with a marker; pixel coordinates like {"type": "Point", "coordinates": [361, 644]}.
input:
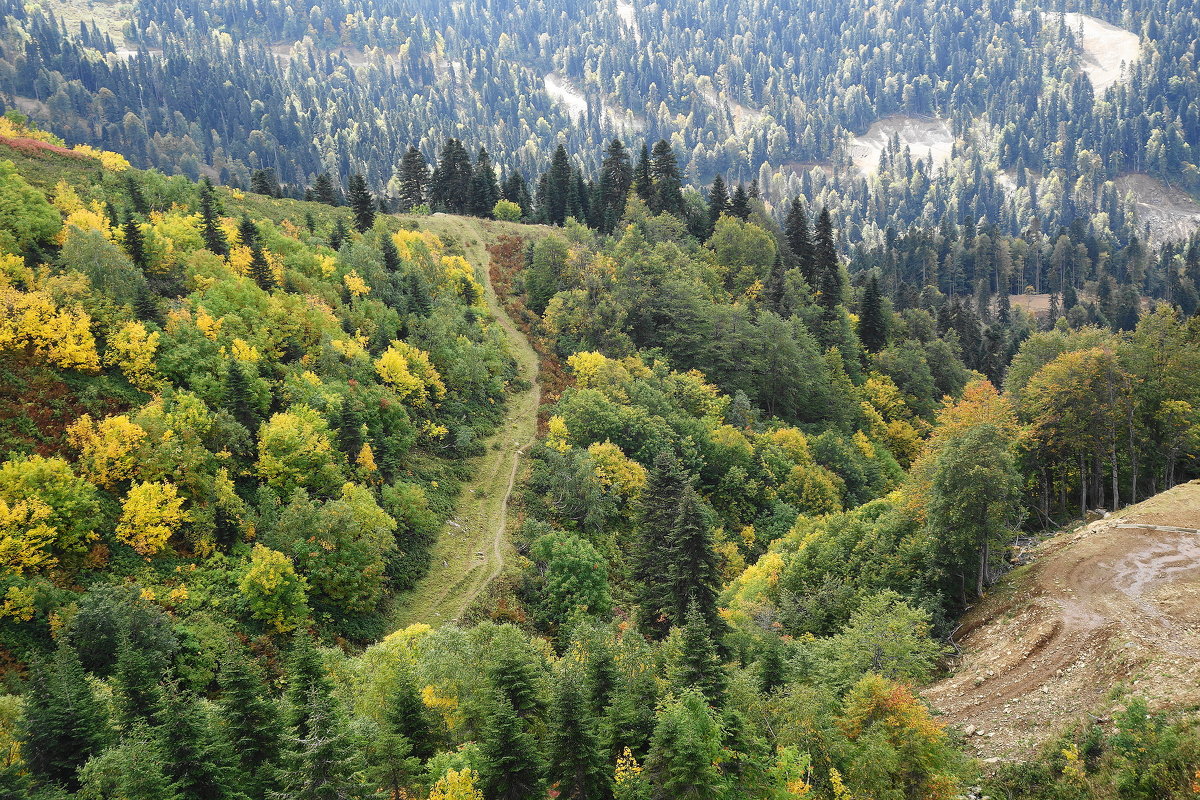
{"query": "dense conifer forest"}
{"type": "Point", "coordinates": [794, 412]}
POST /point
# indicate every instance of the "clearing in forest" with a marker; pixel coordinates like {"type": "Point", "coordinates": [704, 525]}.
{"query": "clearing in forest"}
{"type": "Point", "coordinates": [472, 548]}
{"type": "Point", "coordinates": [1106, 611]}
{"type": "Point", "coordinates": [928, 139]}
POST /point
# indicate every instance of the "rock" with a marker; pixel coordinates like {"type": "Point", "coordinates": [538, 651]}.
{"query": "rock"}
{"type": "Point", "coordinates": [969, 730]}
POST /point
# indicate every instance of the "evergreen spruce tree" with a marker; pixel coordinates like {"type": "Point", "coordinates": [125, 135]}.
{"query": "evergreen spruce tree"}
{"type": "Point", "coordinates": [238, 400]}
{"type": "Point", "coordinates": [556, 200]}
{"type": "Point", "coordinates": [667, 195]}
{"type": "Point", "coordinates": [772, 668]}
{"type": "Point", "coordinates": [660, 501]}
{"type": "Point", "coordinates": [362, 203]}
{"type": "Point", "coordinates": [516, 190]}
{"type": "Point", "coordinates": [350, 427]}
{"type": "Point", "coordinates": [515, 680]}
{"type": "Point", "coordinates": [133, 770]}
{"type": "Point", "coordinates": [324, 191]}
{"type": "Point", "coordinates": [62, 724]}
{"type": "Point", "coordinates": [699, 665]}
{"type": "Point", "coordinates": [826, 266]}
{"type": "Point", "coordinates": [247, 231]}
{"type": "Point", "coordinates": [137, 200]}
{"type": "Point", "coordinates": [137, 682]}
{"type": "Point", "coordinates": [414, 177]}
{"type": "Point", "coordinates": [872, 319]}
{"type": "Point", "coordinates": [145, 307]}
{"type": "Point", "coordinates": [691, 568]}
{"type": "Point", "coordinates": [135, 244]}
{"type": "Point", "coordinates": [320, 762]}
{"type": "Point", "coordinates": [407, 715]}
{"type": "Point", "coordinates": [390, 255]}
{"type": "Point", "coordinates": [450, 184]}
{"type": "Point", "coordinates": [339, 234]}
{"type": "Point", "coordinates": [250, 721]}
{"type": "Point", "coordinates": [259, 270]}
{"type": "Point", "coordinates": [739, 205]}
{"type": "Point", "coordinates": [643, 182]}
{"type": "Point", "coordinates": [616, 178]}
{"type": "Point", "coordinates": [485, 192]}
{"type": "Point", "coordinates": [195, 759]}
{"type": "Point", "coordinates": [776, 286]}
{"type": "Point", "coordinates": [210, 223]}
{"type": "Point", "coordinates": [687, 746]}
{"type": "Point", "coordinates": [578, 768]}
{"type": "Point", "coordinates": [264, 181]}
{"type": "Point", "coordinates": [306, 675]}
{"type": "Point", "coordinates": [512, 766]}
{"type": "Point", "coordinates": [799, 241]}
{"type": "Point", "coordinates": [718, 200]}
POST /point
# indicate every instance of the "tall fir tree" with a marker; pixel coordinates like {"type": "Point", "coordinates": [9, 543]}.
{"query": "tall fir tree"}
{"type": "Point", "coordinates": [196, 759]}
{"type": "Point", "coordinates": [485, 192]}
{"type": "Point", "coordinates": [210, 220]}
{"type": "Point", "coordinates": [260, 270]}
{"type": "Point", "coordinates": [665, 487]}
{"type": "Point", "coordinates": [362, 203]}
{"type": "Point", "coordinates": [692, 567]}
{"type": "Point", "coordinates": [450, 184]}
{"type": "Point", "coordinates": [516, 190]}
{"type": "Point", "coordinates": [135, 244]}
{"type": "Point", "coordinates": [556, 200]}
{"type": "Point", "coordinates": [826, 266]}
{"type": "Point", "coordinates": [739, 204]}
{"type": "Point", "coordinates": [643, 181]}
{"type": "Point", "coordinates": [512, 766]}
{"type": "Point", "coordinates": [339, 234]}
{"type": "Point", "coordinates": [250, 721]}
{"type": "Point", "coordinates": [413, 178]}
{"type": "Point", "coordinates": [872, 318]}
{"type": "Point", "coordinates": [264, 181]}
{"type": "Point", "coordinates": [137, 684]}
{"type": "Point", "coordinates": [62, 724]}
{"type": "Point", "coordinates": [238, 400]}
{"type": "Point", "coordinates": [699, 665]}
{"type": "Point", "coordinates": [325, 191]}
{"type": "Point", "coordinates": [799, 241]}
{"type": "Point", "coordinates": [389, 254]}
{"type": "Point", "coordinates": [667, 195]}
{"type": "Point", "coordinates": [718, 200]}
{"type": "Point", "coordinates": [776, 286]}
{"type": "Point", "coordinates": [320, 761]}
{"type": "Point", "coordinates": [137, 199]}
{"type": "Point", "coordinates": [578, 767]}
{"type": "Point", "coordinates": [616, 178]}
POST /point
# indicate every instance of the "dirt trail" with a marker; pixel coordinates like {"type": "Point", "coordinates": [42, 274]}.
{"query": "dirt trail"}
{"type": "Point", "coordinates": [1112, 603]}
{"type": "Point", "coordinates": [472, 548]}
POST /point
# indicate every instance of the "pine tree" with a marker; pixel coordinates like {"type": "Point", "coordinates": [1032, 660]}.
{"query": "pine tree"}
{"type": "Point", "coordinates": [136, 198]}
{"type": "Point", "coordinates": [362, 203]}
{"type": "Point", "coordinates": [210, 223]}
{"type": "Point", "coordinates": [260, 270]}
{"type": "Point", "coordinates": [406, 715]}
{"type": "Point", "coordinates": [772, 668]}
{"type": "Point", "coordinates": [63, 724]}
{"type": "Point", "coordinates": [739, 205]}
{"type": "Point", "coordinates": [556, 200]}
{"type": "Point", "coordinates": [390, 255]}
{"type": "Point", "coordinates": [872, 319]}
{"type": "Point", "coordinates": [195, 759]}
{"type": "Point", "coordinates": [306, 676]}
{"type": "Point", "coordinates": [135, 244]}
{"type": "Point", "coordinates": [643, 183]}
{"type": "Point", "coordinates": [484, 190]}
{"type": "Point", "coordinates": [616, 178]}
{"type": "Point", "coordinates": [799, 242]}
{"type": "Point", "coordinates": [699, 666]}
{"type": "Point", "coordinates": [350, 427]}
{"type": "Point", "coordinates": [667, 196]}
{"type": "Point", "coordinates": [325, 192]}
{"type": "Point", "coordinates": [145, 307]}
{"type": "Point", "coordinates": [660, 500]}
{"type": "Point", "coordinates": [514, 679]}
{"type": "Point", "coordinates": [686, 750]}
{"type": "Point", "coordinates": [263, 181]}
{"type": "Point", "coordinates": [450, 184]}
{"type": "Point", "coordinates": [776, 286]}
{"type": "Point", "coordinates": [339, 234]}
{"type": "Point", "coordinates": [137, 682]}
{"type": "Point", "coordinates": [250, 720]}
{"type": "Point", "coordinates": [512, 765]}
{"type": "Point", "coordinates": [414, 177]}
{"type": "Point", "coordinates": [718, 200]}
{"type": "Point", "coordinates": [247, 231]}
{"type": "Point", "coordinates": [133, 770]}
{"type": "Point", "coordinates": [320, 762]}
{"type": "Point", "coordinates": [826, 266]}
{"type": "Point", "coordinates": [238, 400]}
{"type": "Point", "coordinates": [516, 190]}
{"type": "Point", "coordinates": [691, 568]}
{"type": "Point", "coordinates": [578, 768]}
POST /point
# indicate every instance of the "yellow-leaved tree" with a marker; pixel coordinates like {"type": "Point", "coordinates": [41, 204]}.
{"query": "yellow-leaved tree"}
{"type": "Point", "coordinates": [26, 539]}
{"type": "Point", "coordinates": [410, 373]}
{"type": "Point", "coordinates": [150, 514]}
{"type": "Point", "coordinates": [275, 593]}
{"type": "Point", "coordinates": [456, 785]}
{"type": "Point", "coordinates": [107, 448]}
{"type": "Point", "coordinates": [32, 322]}
{"type": "Point", "coordinates": [132, 349]}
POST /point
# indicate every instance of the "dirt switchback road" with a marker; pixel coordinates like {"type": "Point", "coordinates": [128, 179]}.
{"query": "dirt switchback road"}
{"type": "Point", "coordinates": [472, 548]}
{"type": "Point", "coordinates": [1112, 606]}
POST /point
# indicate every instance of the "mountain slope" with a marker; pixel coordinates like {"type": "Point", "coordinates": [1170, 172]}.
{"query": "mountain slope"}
{"type": "Point", "coordinates": [1113, 604]}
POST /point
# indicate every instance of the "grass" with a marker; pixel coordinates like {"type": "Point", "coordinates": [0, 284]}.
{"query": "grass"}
{"type": "Point", "coordinates": [474, 545]}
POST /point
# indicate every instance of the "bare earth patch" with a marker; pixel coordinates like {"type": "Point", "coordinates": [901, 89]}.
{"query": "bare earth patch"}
{"type": "Point", "coordinates": [1113, 604]}
{"type": "Point", "coordinates": [1105, 49]}
{"type": "Point", "coordinates": [1171, 214]}
{"type": "Point", "coordinates": [928, 138]}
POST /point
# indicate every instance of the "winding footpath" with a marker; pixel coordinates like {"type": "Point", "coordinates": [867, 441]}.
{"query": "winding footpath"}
{"type": "Point", "coordinates": [471, 550]}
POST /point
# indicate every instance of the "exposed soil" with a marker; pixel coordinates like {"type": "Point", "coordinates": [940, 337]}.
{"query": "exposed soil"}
{"type": "Point", "coordinates": [1107, 610]}
{"type": "Point", "coordinates": [929, 139]}
{"type": "Point", "coordinates": [1171, 213]}
{"type": "Point", "coordinates": [1105, 49]}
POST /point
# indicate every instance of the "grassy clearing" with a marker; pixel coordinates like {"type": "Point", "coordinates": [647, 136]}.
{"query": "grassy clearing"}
{"type": "Point", "coordinates": [471, 551]}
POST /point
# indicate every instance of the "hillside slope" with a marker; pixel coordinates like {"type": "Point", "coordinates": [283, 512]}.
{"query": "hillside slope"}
{"type": "Point", "coordinates": [470, 551]}
{"type": "Point", "coordinates": [1113, 605]}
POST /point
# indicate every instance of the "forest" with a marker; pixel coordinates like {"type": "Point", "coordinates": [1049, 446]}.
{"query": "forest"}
{"type": "Point", "coordinates": [763, 492]}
